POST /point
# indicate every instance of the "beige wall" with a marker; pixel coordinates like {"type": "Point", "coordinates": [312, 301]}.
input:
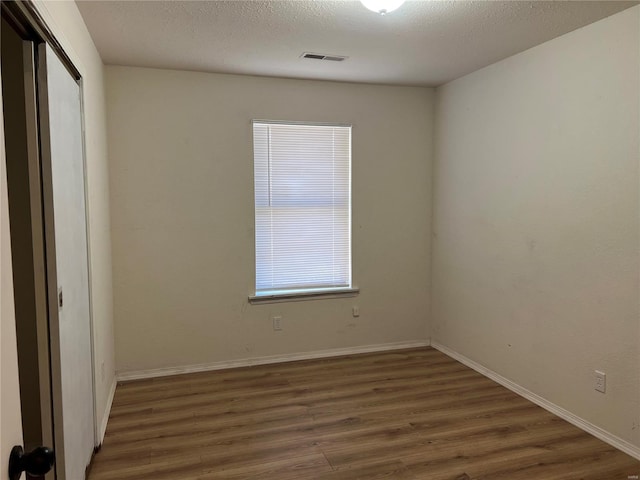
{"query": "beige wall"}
{"type": "Point", "coordinates": [535, 251]}
{"type": "Point", "coordinates": [68, 26]}
{"type": "Point", "coordinates": [182, 213]}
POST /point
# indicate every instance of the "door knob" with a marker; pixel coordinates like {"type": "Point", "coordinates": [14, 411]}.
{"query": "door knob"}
{"type": "Point", "coordinates": [36, 463]}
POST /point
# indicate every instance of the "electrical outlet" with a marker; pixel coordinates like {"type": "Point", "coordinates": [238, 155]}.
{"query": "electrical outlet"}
{"type": "Point", "coordinates": [355, 311]}
{"type": "Point", "coordinates": [601, 381]}
{"type": "Point", "coordinates": [277, 322]}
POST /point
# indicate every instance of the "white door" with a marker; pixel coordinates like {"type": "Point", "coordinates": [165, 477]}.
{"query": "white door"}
{"type": "Point", "coordinates": [65, 223]}
{"type": "Point", "coordinates": [10, 417]}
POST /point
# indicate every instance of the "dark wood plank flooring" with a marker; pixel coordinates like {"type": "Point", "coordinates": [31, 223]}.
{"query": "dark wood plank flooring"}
{"type": "Point", "coordinates": [411, 414]}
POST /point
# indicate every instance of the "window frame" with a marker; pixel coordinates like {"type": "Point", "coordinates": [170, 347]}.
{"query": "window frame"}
{"type": "Point", "coordinates": [299, 294]}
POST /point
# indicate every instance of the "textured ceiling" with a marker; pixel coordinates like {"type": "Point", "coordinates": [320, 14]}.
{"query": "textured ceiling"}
{"type": "Point", "coordinates": [425, 42]}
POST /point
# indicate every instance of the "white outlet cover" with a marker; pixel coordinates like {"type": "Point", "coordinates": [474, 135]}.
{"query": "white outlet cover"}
{"type": "Point", "coordinates": [601, 381]}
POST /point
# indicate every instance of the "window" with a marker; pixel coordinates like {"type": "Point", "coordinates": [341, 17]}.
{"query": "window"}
{"type": "Point", "coordinates": [302, 208]}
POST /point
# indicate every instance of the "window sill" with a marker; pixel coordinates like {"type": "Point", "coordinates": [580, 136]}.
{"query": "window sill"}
{"type": "Point", "coordinates": [300, 296]}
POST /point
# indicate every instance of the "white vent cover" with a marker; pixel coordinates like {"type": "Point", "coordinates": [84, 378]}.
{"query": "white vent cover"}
{"type": "Point", "coordinates": [322, 56]}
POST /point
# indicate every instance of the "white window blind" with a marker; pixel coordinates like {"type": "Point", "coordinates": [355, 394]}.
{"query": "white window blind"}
{"type": "Point", "coordinates": [302, 207]}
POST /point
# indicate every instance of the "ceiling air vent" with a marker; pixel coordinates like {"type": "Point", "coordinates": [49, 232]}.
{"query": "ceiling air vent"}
{"type": "Point", "coordinates": [320, 56]}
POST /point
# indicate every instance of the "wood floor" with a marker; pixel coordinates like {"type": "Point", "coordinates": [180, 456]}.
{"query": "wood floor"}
{"type": "Point", "coordinates": [411, 414]}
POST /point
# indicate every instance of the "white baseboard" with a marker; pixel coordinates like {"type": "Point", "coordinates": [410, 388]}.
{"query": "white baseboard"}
{"type": "Point", "coordinates": [107, 411]}
{"type": "Point", "coordinates": [246, 362]}
{"type": "Point", "coordinates": [579, 422]}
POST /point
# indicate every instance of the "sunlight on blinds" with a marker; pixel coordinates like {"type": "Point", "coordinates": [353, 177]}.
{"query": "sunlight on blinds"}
{"type": "Point", "coordinates": [302, 206]}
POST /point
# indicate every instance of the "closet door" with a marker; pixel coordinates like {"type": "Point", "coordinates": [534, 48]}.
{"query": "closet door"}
{"type": "Point", "coordinates": [67, 265]}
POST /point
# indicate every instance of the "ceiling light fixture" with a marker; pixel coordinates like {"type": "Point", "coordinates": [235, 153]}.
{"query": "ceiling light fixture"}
{"type": "Point", "coordinates": [382, 6]}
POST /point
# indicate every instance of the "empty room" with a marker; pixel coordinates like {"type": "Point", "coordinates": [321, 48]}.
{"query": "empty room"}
{"type": "Point", "coordinates": [320, 240]}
